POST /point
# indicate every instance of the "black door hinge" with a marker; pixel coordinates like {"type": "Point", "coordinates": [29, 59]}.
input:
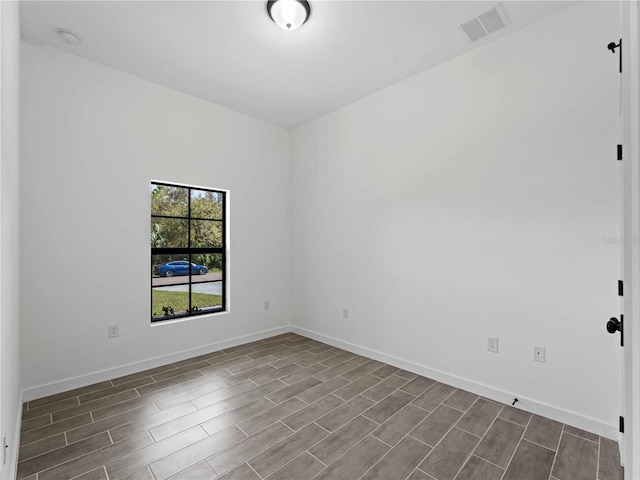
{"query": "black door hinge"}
{"type": "Point", "coordinates": [620, 288]}
{"type": "Point", "coordinates": [621, 424]}
{"type": "Point", "coordinates": [619, 152]}
{"type": "Point", "coordinates": [622, 330]}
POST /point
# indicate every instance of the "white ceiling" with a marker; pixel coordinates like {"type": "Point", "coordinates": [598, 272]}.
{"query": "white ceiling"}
{"type": "Point", "coordinates": [230, 53]}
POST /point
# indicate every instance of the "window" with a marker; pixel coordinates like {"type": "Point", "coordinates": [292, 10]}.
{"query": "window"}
{"type": "Point", "coordinates": [188, 251]}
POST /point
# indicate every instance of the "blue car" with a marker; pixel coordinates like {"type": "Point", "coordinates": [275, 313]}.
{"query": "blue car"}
{"type": "Point", "coordinates": [180, 267]}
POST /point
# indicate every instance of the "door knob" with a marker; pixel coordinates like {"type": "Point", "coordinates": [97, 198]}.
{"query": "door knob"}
{"type": "Point", "coordinates": [614, 325]}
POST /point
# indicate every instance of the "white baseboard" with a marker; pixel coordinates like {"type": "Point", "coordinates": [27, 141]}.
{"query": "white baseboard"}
{"type": "Point", "coordinates": [549, 411]}
{"type": "Point", "coordinates": [40, 391]}
{"type": "Point", "coordinates": [15, 446]}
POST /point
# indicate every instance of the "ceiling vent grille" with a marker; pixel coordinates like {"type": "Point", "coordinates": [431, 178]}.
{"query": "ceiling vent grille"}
{"type": "Point", "coordinates": [483, 25]}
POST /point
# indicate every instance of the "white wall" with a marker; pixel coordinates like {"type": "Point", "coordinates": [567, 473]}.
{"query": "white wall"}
{"type": "Point", "coordinates": [9, 241]}
{"type": "Point", "coordinates": [472, 200]}
{"type": "Point", "coordinates": [93, 138]}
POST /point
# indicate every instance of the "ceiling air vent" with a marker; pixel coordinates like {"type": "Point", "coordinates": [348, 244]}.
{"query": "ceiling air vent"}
{"type": "Point", "coordinates": [483, 25]}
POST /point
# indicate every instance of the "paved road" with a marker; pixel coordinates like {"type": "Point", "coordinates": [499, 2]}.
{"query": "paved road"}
{"type": "Point", "coordinates": [209, 277]}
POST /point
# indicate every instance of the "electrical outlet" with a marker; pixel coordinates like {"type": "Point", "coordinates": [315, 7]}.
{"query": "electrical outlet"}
{"type": "Point", "coordinates": [492, 344]}
{"type": "Point", "coordinates": [345, 312]}
{"type": "Point", "coordinates": [539, 354]}
{"type": "Point", "coordinates": [113, 331]}
{"type": "Point", "coordinates": [267, 305]}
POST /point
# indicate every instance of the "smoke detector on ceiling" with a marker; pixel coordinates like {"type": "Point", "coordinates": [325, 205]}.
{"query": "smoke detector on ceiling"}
{"type": "Point", "coordinates": [485, 24]}
{"type": "Point", "coordinates": [68, 37]}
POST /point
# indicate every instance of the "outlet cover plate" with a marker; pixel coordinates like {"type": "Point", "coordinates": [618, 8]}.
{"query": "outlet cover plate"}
{"type": "Point", "coordinates": [113, 331]}
{"type": "Point", "coordinates": [539, 354]}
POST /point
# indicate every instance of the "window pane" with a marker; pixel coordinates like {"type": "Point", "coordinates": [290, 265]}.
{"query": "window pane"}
{"type": "Point", "coordinates": [169, 232]}
{"type": "Point", "coordinates": [212, 262]}
{"type": "Point", "coordinates": [206, 296]}
{"type": "Point", "coordinates": [169, 302]}
{"type": "Point", "coordinates": [169, 201]}
{"type": "Point", "coordinates": [169, 270]}
{"type": "Point", "coordinates": [206, 233]}
{"type": "Point", "coordinates": [205, 204]}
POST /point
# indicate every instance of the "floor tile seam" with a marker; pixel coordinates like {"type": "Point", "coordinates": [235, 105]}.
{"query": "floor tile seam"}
{"type": "Point", "coordinates": [422, 471]}
{"type": "Point", "coordinates": [125, 411]}
{"type": "Point", "coordinates": [408, 434]}
{"type": "Point", "coordinates": [540, 445]}
{"type": "Point", "coordinates": [306, 404]}
{"type": "Point", "coordinates": [598, 458]}
{"type": "Point", "coordinates": [50, 415]}
{"type": "Point", "coordinates": [138, 424]}
{"type": "Point", "coordinates": [488, 461]}
{"type": "Point", "coordinates": [317, 399]}
{"type": "Point", "coordinates": [418, 440]}
{"type": "Point", "coordinates": [173, 451]}
{"type": "Point", "coordinates": [440, 441]}
{"type": "Point", "coordinates": [327, 413]}
{"type": "Point", "coordinates": [578, 436]}
{"type": "Point", "coordinates": [307, 451]}
{"type": "Point", "coordinates": [43, 438]}
{"type": "Point", "coordinates": [254, 471]}
{"type": "Point", "coordinates": [90, 453]}
{"type": "Point", "coordinates": [248, 359]}
{"type": "Point", "coordinates": [337, 365]}
{"type": "Point", "coordinates": [253, 455]}
{"type": "Point", "coordinates": [398, 412]}
{"type": "Point", "coordinates": [369, 418]}
{"type": "Point", "coordinates": [354, 446]}
{"type": "Point", "coordinates": [77, 396]}
{"type": "Point", "coordinates": [67, 444]}
{"type": "Point", "coordinates": [90, 412]}
{"type": "Point", "coordinates": [374, 386]}
{"type": "Point", "coordinates": [506, 468]}
{"type": "Point", "coordinates": [49, 467]}
{"type": "Point", "coordinates": [479, 437]}
{"type": "Point", "coordinates": [516, 423]}
{"type": "Point", "coordinates": [328, 431]}
{"type": "Point", "coordinates": [380, 440]}
{"type": "Point", "coordinates": [267, 426]}
{"type": "Point", "coordinates": [235, 424]}
{"type": "Point", "coordinates": [555, 456]}
{"type": "Point", "coordinates": [485, 434]}
{"type": "Point", "coordinates": [443, 400]}
{"type": "Point", "coordinates": [195, 399]}
{"type": "Point", "coordinates": [54, 411]}
{"type": "Point", "coordinates": [429, 412]}
{"type": "Point", "coordinates": [472, 403]}
{"type": "Point", "coordinates": [281, 440]}
{"type": "Point", "coordinates": [413, 471]}
{"type": "Point", "coordinates": [22, 460]}
{"type": "Point", "coordinates": [357, 395]}
{"type": "Point", "coordinates": [391, 449]}
{"type": "Point", "coordinates": [101, 466]}
{"type": "Point", "coordinates": [384, 378]}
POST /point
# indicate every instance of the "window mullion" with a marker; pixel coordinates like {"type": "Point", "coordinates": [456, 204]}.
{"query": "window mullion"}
{"type": "Point", "coordinates": [190, 311]}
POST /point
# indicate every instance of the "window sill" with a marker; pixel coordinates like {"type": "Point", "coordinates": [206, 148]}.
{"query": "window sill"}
{"type": "Point", "coordinates": [187, 319]}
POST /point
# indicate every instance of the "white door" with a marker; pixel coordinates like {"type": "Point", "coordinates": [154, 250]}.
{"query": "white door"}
{"type": "Point", "coordinates": [630, 139]}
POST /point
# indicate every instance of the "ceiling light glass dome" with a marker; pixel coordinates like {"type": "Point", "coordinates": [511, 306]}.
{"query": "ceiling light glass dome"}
{"type": "Point", "coordinates": [289, 14]}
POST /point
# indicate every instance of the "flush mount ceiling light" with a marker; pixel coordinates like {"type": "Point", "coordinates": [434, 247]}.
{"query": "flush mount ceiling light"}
{"type": "Point", "coordinates": [289, 14]}
{"type": "Point", "coordinates": [68, 37]}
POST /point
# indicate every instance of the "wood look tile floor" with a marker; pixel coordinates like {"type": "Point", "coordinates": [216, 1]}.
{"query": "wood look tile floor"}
{"type": "Point", "coordinates": [288, 407]}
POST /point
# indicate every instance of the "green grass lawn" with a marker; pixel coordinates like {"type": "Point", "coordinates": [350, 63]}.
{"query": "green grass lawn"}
{"type": "Point", "coordinates": [180, 301]}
